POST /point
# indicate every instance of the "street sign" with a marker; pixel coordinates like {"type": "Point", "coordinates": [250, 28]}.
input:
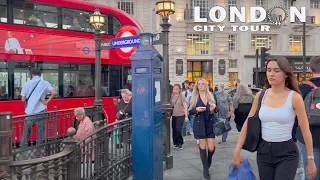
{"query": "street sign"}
{"type": "Point", "coordinates": [157, 39]}
{"type": "Point", "coordinates": [126, 52]}
{"type": "Point", "coordinates": [105, 44]}
{"type": "Point", "coordinates": [125, 42]}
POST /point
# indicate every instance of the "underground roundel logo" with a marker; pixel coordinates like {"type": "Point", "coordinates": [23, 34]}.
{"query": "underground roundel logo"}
{"type": "Point", "coordinates": [277, 18]}
{"type": "Point", "coordinates": [126, 31]}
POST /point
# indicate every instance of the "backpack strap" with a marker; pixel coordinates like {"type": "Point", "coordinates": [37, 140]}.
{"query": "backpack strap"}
{"type": "Point", "coordinates": [310, 84]}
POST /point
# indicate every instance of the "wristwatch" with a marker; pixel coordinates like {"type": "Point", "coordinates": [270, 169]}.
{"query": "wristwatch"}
{"type": "Point", "coordinates": [311, 157]}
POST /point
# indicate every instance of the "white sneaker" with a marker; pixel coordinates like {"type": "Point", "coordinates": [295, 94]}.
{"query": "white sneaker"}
{"type": "Point", "coordinates": [219, 139]}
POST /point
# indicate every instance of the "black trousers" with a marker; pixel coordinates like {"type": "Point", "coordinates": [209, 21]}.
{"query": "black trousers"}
{"type": "Point", "coordinates": [177, 124]}
{"type": "Point", "coordinates": [277, 160]}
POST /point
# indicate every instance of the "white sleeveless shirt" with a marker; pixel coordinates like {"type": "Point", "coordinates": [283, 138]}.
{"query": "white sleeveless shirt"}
{"type": "Point", "coordinates": [277, 123]}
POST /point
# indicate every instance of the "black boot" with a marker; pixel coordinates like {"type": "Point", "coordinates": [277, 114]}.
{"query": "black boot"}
{"type": "Point", "coordinates": [210, 154]}
{"type": "Point", "coordinates": [204, 160]}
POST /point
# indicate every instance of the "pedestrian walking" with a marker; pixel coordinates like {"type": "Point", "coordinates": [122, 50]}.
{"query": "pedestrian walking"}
{"type": "Point", "coordinates": [242, 102]}
{"type": "Point", "coordinates": [202, 105]}
{"type": "Point", "coordinates": [306, 88]}
{"type": "Point", "coordinates": [179, 115]}
{"type": "Point", "coordinates": [186, 130]}
{"type": "Point", "coordinates": [33, 94]}
{"type": "Point", "coordinates": [224, 109]}
{"type": "Point", "coordinates": [277, 154]}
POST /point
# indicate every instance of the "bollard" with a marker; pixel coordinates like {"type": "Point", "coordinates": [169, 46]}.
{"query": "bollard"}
{"type": "Point", "coordinates": [6, 144]}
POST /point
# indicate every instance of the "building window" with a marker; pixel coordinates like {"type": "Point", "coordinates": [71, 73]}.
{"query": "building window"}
{"type": "Point", "coordinates": [232, 77]}
{"type": "Point", "coordinates": [197, 44]}
{"type": "Point", "coordinates": [127, 6]}
{"type": "Point", "coordinates": [295, 43]}
{"type": "Point", "coordinates": [200, 69]}
{"type": "Point", "coordinates": [204, 6]}
{"type": "Point", "coordinates": [261, 3]}
{"type": "Point", "coordinates": [315, 4]}
{"type": "Point", "coordinates": [259, 41]}
{"type": "Point", "coordinates": [286, 4]}
{"type": "Point", "coordinates": [232, 42]}
{"type": "Point", "coordinates": [231, 3]}
{"type": "Point", "coordinates": [33, 14]}
{"type": "Point", "coordinates": [233, 63]}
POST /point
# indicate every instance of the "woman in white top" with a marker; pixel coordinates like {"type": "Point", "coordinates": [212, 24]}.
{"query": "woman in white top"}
{"type": "Point", "coordinates": [277, 154]}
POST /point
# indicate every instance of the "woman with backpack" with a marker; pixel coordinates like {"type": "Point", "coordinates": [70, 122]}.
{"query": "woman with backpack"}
{"type": "Point", "coordinates": [242, 103]}
{"type": "Point", "coordinates": [277, 154]}
{"type": "Point", "coordinates": [179, 115]}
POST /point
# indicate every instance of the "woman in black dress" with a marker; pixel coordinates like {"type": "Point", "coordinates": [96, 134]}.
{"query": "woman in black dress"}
{"type": "Point", "coordinates": [202, 105]}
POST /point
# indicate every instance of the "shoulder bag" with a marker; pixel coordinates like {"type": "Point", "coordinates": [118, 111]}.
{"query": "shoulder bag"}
{"type": "Point", "coordinates": [25, 106]}
{"type": "Point", "coordinates": [121, 113]}
{"type": "Point", "coordinates": [253, 137]}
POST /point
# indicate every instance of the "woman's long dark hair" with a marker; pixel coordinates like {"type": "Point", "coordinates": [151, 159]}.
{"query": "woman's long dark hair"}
{"type": "Point", "coordinates": [291, 81]}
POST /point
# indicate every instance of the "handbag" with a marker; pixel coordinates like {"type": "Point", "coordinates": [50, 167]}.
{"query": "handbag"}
{"type": "Point", "coordinates": [221, 126]}
{"type": "Point", "coordinates": [26, 104]}
{"type": "Point", "coordinates": [121, 113]}
{"type": "Point", "coordinates": [244, 172]}
{"type": "Point", "coordinates": [253, 137]}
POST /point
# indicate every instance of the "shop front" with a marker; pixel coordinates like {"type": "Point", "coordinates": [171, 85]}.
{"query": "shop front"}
{"type": "Point", "coordinates": [200, 69]}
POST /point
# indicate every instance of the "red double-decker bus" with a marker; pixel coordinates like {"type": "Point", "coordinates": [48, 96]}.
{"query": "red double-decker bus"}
{"type": "Point", "coordinates": [56, 37]}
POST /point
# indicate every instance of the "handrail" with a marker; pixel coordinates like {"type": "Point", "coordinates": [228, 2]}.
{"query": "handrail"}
{"type": "Point", "coordinates": [104, 127]}
{"type": "Point", "coordinates": [54, 111]}
{"type": "Point", "coordinates": [67, 151]}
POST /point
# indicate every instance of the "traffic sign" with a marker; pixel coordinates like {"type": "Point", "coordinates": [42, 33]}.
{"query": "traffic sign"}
{"type": "Point", "coordinates": [126, 31]}
{"type": "Point", "coordinates": [105, 44]}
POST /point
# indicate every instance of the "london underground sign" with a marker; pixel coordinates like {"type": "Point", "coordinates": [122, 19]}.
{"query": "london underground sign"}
{"type": "Point", "coordinates": [125, 31]}
{"type": "Point", "coordinates": [126, 42]}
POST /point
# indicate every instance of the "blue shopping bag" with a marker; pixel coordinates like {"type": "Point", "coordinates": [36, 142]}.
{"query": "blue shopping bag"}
{"type": "Point", "coordinates": [244, 172]}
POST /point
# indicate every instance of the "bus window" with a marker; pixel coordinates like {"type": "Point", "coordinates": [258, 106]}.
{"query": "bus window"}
{"type": "Point", "coordinates": [21, 75]}
{"type": "Point", "coordinates": [114, 80]}
{"type": "Point", "coordinates": [3, 11]}
{"type": "Point", "coordinates": [116, 25]}
{"type": "Point", "coordinates": [76, 20]}
{"type": "Point", "coordinates": [28, 13]}
{"type": "Point", "coordinates": [50, 73]}
{"type": "Point", "coordinates": [3, 80]}
{"type": "Point", "coordinates": [78, 80]}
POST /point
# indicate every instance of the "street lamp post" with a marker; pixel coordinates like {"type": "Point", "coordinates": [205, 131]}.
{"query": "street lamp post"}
{"type": "Point", "coordinates": [97, 20]}
{"type": "Point", "coordinates": [166, 8]}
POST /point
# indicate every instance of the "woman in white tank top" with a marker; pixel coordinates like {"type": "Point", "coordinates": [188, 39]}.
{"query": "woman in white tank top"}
{"type": "Point", "coordinates": [277, 154]}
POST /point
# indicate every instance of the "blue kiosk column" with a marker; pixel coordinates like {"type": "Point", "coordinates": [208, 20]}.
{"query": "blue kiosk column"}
{"type": "Point", "coordinates": [147, 140]}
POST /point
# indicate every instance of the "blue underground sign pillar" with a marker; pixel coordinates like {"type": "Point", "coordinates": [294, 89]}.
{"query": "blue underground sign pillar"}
{"type": "Point", "coordinates": [147, 140]}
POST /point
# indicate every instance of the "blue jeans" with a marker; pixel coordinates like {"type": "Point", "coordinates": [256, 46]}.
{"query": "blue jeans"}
{"type": "Point", "coordinates": [187, 125]}
{"type": "Point", "coordinates": [316, 153]}
{"type": "Point", "coordinates": [190, 122]}
{"type": "Point", "coordinates": [224, 137]}
{"type": "Point", "coordinates": [29, 122]}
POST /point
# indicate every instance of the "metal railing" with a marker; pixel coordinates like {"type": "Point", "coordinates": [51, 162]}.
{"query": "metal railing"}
{"type": "Point", "coordinates": [105, 154]}
{"type": "Point", "coordinates": [54, 126]}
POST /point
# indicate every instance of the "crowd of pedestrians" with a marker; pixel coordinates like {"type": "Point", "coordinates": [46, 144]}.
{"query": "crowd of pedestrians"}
{"type": "Point", "coordinates": [289, 115]}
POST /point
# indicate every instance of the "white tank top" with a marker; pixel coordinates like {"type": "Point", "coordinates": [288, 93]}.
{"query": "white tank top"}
{"type": "Point", "coordinates": [277, 123]}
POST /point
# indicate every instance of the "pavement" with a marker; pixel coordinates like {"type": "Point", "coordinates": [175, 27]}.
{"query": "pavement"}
{"type": "Point", "coordinates": [187, 163]}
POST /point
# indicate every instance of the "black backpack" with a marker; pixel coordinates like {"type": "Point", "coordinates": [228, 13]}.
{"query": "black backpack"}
{"type": "Point", "coordinates": [312, 104]}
